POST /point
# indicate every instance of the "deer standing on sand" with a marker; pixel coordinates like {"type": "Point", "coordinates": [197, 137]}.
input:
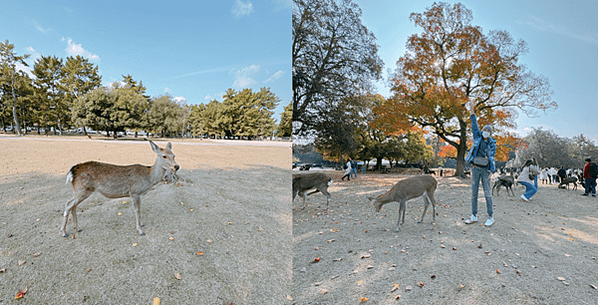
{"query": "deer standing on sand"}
{"type": "Point", "coordinates": [117, 181]}
{"type": "Point", "coordinates": [304, 182]}
{"type": "Point", "coordinates": [407, 189]}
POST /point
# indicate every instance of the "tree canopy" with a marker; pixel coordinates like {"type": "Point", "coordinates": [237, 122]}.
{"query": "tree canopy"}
{"type": "Point", "coordinates": [334, 56]}
{"type": "Point", "coordinates": [451, 64]}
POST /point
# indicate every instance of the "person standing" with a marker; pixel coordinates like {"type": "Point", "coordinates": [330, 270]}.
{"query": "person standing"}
{"type": "Point", "coordinates": [590, 171]}
{"type": "Point", "coordinates": [347, 170]}
{"type": "Point", "coordinates": [353, 169]}
{"type": "Point", "coordinates": [529, 173]}
{"type": "Point", "coordinates": [484, 147]}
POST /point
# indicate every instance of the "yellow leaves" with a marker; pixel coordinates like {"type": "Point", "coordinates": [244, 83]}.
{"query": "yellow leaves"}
{"type": "Point", "coordinates": [156, 301]}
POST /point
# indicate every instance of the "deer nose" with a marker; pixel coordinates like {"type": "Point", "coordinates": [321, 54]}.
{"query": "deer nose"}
{"type": "Point", "coordinates": [176, 167]}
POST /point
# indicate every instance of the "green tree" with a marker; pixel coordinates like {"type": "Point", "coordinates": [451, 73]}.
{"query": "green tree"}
{"type": "Point", "coordinates": [164, 116]}
{"type": "Point", "coordinates": [48, 73]}
{"type": "Point", "coordinates": [93, 109]}
{"type": "Point", "coordinates": [285, 127]}
{"type": "Point", "coordinates": [78, 78]}
{"type": "Point", "coordinates": [12, 81]}
{"type": "Point", "coordinates": [333, 56]}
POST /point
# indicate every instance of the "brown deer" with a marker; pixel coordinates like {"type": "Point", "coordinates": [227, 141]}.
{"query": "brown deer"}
{"type": "Point", "coordinates": [407, 189]}
{"type": "Point", "coordinates": [305, 182]}
{"type": "Point", "coordinates": [117, 181]}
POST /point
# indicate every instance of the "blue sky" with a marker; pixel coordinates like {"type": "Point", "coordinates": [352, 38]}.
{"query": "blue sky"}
{"type": "Point", "coordinates": [194, 50]}
{"type": "Point", "coordinates": [562, 37]}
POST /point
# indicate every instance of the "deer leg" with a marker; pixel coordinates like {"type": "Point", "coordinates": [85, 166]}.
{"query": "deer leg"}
{"type": "Point", "coordinates": [304, 195]}
{"type": "Point", "coordinates": [430, 196]}
{"type": "Point", "coordinates": [70, 206]}
{"type": "Point", "coordinates": [401, 213]}
{"type": "Point", "coordinates": [325, 192]}
{"type": "Point", "coordinates": [426, 204]}
{"type": "Point", "coordinates": [137, 209]}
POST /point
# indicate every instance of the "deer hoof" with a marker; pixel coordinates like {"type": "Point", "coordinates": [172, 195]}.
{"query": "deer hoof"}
{"type": "Point", "coordinates": [79, 230]}
{"type": "Point", "coordinates": [143, 225]}
{"type": "Point", "coordinates": [419, 221]}
{"type": "Point", "coordinates": [65, 235]}
{"type": "Point", "coordinates": [141, 233]}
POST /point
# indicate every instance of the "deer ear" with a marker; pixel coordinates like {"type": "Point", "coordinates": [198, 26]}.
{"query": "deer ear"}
{"type": "Point", "coordinates": [155, 147]}
{"type": "Point", "coordinates": [169, 146]}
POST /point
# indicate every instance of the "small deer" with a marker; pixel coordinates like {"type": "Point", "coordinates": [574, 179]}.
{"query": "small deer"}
{"type": "Point", "coordinates": [305, 182]}
{"type": "Point", "coordinates": [567, 181]}
{"type": "Point", "coordinates": [117, 181]}
{"type": "Point", "coordinates": [506, 181]}
{"type": "Point", "coordinates": [406, 189]}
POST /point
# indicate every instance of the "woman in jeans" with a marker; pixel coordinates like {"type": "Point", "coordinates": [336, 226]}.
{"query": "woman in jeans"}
{"type": "Point", "coordinates": [483, 146]}
{"type": "Point", "coordinates": [531, 187]}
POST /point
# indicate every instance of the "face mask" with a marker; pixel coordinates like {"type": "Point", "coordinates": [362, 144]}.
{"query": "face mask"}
{"type": "Point", "coordinates": [485, 134]}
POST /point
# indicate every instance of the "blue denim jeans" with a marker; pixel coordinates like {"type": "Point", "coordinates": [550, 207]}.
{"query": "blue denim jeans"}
{"type": "Point", "coordinates": [590, 185]}
{"type": "Point", "coordinates": [353, 172]}
{"type": "Point", "coordinates": [530, 189]}
{"type": "Point", "coordinates": [482, 174]}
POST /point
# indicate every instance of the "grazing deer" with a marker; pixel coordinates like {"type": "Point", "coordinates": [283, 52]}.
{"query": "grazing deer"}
{"type": "Point", "coordinates": [407, 189]}
{"type": "Point", "coordinates": [116, 181]}
{"type": "Point", "coordinates": [304, 182]}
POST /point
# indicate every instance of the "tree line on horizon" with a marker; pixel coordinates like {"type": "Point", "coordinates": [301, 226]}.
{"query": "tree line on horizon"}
{"type": "Point", "coordinates": [65, 94]}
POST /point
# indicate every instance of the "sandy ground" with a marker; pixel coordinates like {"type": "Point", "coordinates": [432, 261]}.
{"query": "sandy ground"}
{"type": "Point", "coordinates": [518, 260]}
{"type": "Point", "coordinates": [232, 203]}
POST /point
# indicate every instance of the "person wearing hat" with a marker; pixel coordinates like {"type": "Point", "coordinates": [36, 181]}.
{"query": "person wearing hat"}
{"type": "Point", "coordinates": [589, 176]}
{"type": "Point", "coordinates": [482, 151]}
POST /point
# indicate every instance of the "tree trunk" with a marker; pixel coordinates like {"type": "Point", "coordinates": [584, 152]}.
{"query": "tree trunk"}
{"type": "Point", "coordinates": [378, 163]}
{"type": "Point", "coordinates": [14, 115]}
{"type": "Point", "coordinates": [60, 126]}
{"type": "Point", "coordinates": [461, 151]}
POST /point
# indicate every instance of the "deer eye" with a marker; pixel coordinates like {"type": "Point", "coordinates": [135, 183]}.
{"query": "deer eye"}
{"type": "Point", "coordinates": [164, 157]}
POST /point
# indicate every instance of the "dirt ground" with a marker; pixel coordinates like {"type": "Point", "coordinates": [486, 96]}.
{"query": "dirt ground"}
{"type": "Point", "coordinates": [539, 252]}
{"type": "Point", "coordinates": [232, 203]}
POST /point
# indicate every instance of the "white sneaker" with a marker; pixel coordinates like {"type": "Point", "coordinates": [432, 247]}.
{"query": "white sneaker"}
{"type": "Point", "coordinates": [472, 219]}
{"type": "Point", "coordinates": [523, 197]}
{"type": "Point", "coordinates": [489, 222]}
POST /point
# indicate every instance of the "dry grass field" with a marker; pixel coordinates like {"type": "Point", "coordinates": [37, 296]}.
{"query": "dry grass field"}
{"type": "Point", "coordinates": [539, 252]}
{"type": "Point", "coordinates": [231, 204]}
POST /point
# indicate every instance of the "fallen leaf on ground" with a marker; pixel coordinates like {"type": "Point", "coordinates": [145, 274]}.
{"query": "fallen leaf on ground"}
{"type": "Point", "coordinates": [171, 238]}
{"type": "Point", "coordinates": [289, 297]}
{"type": "Point", "coordinates": [2, 270]}
{"type": "Point", "coordinates": [323, 291]}
{"type": "Point", "coordinates": [37, 254]}
{"type": "Point", "coordinates": [21, 263]}
{"type": "Point", "coordinates": [317, 259]}
{"type": "Point", "coordinates": [398, 297]}
{"type": "Point", "coordinates": [409, 287]}
{"type": "Point", "coordinates": [134, 244]}
{"type": "Point", "coordinates": [560, 278]}
{"type": "Point", "coordinates": [420, 284]}
{"type": "Point", "coordinates": [365, 256]}
{"type": "Point", "coordinates": [199, 253]}
{"type": "Point", "coordinates": [177, 276]}
{"type": "Point", "coordinates": [593, 286]}
{"type": "Point", "coordinates": [364, 299]}
{"type": "Point", "coordinates": [394, 287]}
{"type": "Point", "coordinates": [88, 270]}
{"type": "Point", "coordinates": [369, 267]}
{"type": "Point", "coordinates": [156, 301]}
{"type": "Point", "coordinates": [21, 293]}
{"type": "Point", "coordinates": [171, 232]}
{"type": "Point", "coordinates": [497, 271]}
{"type": "Point", "coordinates": [209, 240]}
{"type": "Point", "coordinates": [433, 277]}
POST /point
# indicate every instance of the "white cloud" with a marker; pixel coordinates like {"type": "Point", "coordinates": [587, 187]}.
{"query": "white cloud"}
{"type": "Point", "coordinates": [243, 77]}
{"type": "Point", "coordinates": [167, 90]}
{"type": "Point", "coordinates": [548, 27]}
{"type": "Point", "coordinates": [208, 97]}
{"type": "Point", "coordinates": [282, 4]}
{"type": "Point", "coordinates": [34, 53]}
{"type": "Point", "coordinates": [74, 49]}
{"type": "Point", "coordinates": [275, 76]}
{"type": "Point", "coordinates": [240, 8]}
{"type": "Point", "coordinates": [180, 100]}
{"type": "Point", "coordinates": [40, 28]}
{"type": "Point", "coordinates": [27, 69]}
